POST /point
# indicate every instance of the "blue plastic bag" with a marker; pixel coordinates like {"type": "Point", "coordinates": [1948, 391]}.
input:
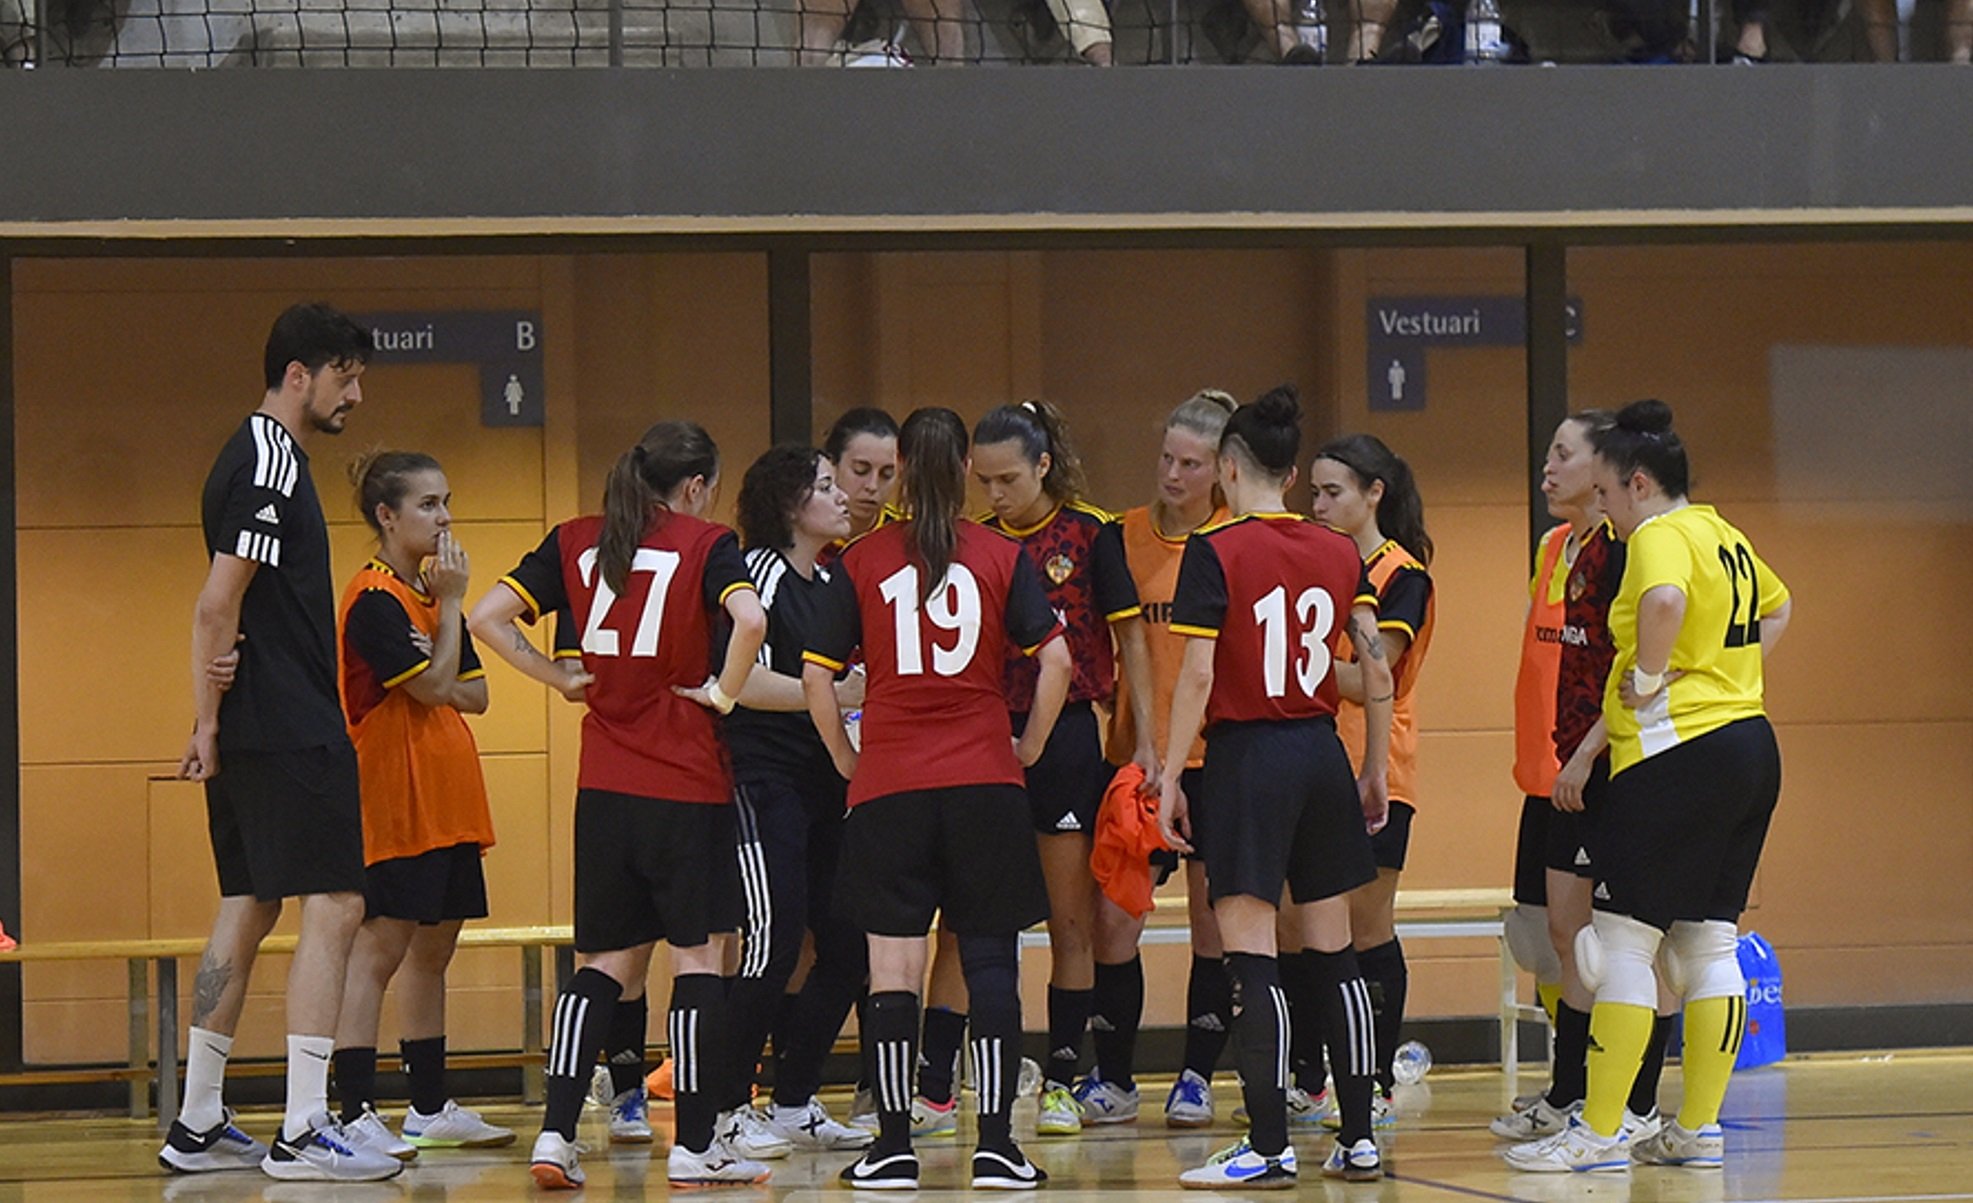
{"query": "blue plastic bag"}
{"type": "Point", "coordinates": [1766, 1040]}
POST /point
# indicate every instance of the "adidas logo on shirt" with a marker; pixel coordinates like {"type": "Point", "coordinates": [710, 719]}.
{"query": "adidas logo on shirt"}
{"type": "Point", "coordinates": [1602, 892]}
{"type": "Point", "coordinates": [1209, 1022]}
{"type": "Point", "coordinates": [1068, 822]}
{"type": "Point", "coordinates": [1582, 856]}
{"type": "Point", "coordinates": [268, 515]}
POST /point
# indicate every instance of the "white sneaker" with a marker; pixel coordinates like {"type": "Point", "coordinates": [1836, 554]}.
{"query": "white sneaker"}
{"type": "Point", "coordinates": [1535, 1122]}
{"type": "Point", "coordinates": [1576, 1149]}
{"type": "Point", "coordinates": [1304, 1109]}
{"type": "Point", "coordinates": [630, 1117]}
{"type": "Point", "coordinates": [1061, 1114]}
{"type": "Point", "coordinates": [1359, 1162]}
{"type": "Point", "coordinates": [454, 1127]}
{"type": "Point", "coordinates": [1674, 1145]}
{"type": "Point", "coordinates": [1238, 1167]}
{"type": "Point", "coordinates": [1642, 1127]}
{"type": "Point", "coordinates": [719, 1165]}
{"type": "Point", "coordinates": [812, 1127]}
{"type": "Point", "coordinates": [554, 1164]}
{"type": "Point", "coordinates": [929, 1119]}
{"type": "Point", "coordinates": [1105, 1102]}
{"type": "Point", "coordinates": [220, 1147]}
{"type": "Point", "coordinates": [369, 1131]}
{"type": "Point", "coordinates": [1190, 1103]}
{"type": "Point", "coordinates": [325, 1153]}
{"type": "Point", "coordinates": [1383, 1112]}
{"type": "Point", "coordinates": [746, 1132]}
{"type": "Point", "coordinates": [863, 1111]}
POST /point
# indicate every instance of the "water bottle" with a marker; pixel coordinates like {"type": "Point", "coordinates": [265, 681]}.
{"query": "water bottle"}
{"type": "Point", "coordinates": [1410, 1063]}
{"type": "Point", "coordinates": [853, 726]}
{"type": "Point", "coordinates": [1483, 41]}
{"type": "Point", "coordinates": [1312, 26]}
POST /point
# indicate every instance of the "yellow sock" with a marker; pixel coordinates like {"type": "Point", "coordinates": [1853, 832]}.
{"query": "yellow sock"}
{"type": "Point", "coordinates": [1713, 1031]}
{"type": "Point", "coordinates": [1618, 1034]}
{"type": "Point", "coordinates": [1550, 994]}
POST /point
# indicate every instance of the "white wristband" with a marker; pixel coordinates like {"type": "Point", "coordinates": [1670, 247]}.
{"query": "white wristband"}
{"type": "Point", "coordinates": [718, 698]}
{"type": "Point", "coordinates": [1645, 684]}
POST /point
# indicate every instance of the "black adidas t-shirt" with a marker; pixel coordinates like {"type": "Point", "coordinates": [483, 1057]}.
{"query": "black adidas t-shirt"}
{"type": "Point", "coordinates": [260, 505]}
{"type": "Point", "coordinates": [781, 745]}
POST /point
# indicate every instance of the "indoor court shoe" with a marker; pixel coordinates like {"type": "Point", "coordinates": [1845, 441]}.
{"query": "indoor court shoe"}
{"type": "Point", "coordinates": [1534, 1122]}
{"type": "Point", "coordinates": [1005, 1169]}
{"type": "Point", "coordinates": [630, 1117]}
{"type": "Point", "coordinates": [369, 1131]}
{"type": "Point", "coordinates": [454, 1127]}
{"type": "Point", "coordinates": [746, 1132]}
{"type": "Point", "coordinates": [554, 1164]}
{"type": "Point", "coordinates": [1105, 1102]}
{"type": "Point", "coordinates": [220, 1147]}
{"type": "Point", "coordinates": [1238, 1167]}
{"type": "Point", "coordinates": [325, 1153]}
{"type": "Point", "coordinates": [1060, 1114]}
{"type": "Point", "coordinates": [1190, 1103]}
{"type": "Point", "coordinates": [719, 1165]}
{"type": "Point", "coordinates": [1383, 1113]}
{"type": "Point", "coordinates": [863, 1110]}
{"type": "Point", "coordinates": [881, 1171]}
{"type": "Point", "coordinates": [1673, 1145]}
{"type": "Point", "coordinates": [1576, 1149]}
{"type": "Point", "coordinates": [1359, 1162]}
{"type": "Point", "coordinates": [1304, 1109]}
{"type": "Point", "coordinates": [1641, 1127]}
{"type": "Point", "coordinates": [931, 1119]}
{"type": "Point", "coordinates": [812, 1127]}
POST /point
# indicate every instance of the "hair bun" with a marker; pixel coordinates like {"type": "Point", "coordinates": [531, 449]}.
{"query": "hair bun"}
{"type": "Point", "coordinates": [1649, 416]}
{"type": "Point", "coordinates": [1279, 406]}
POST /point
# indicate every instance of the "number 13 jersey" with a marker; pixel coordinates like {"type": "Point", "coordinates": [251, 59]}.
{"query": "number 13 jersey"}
{"type": "Point", "coordinates": [934, 714]}
{"type": "Point", "coordinates": [1270, 590]}
{"type": "Point", "coordinates": [639, 737]}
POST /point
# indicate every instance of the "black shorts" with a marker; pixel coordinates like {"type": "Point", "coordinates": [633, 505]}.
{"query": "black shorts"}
{"type": "Point", "coordinates": [1682, 831]}
{"type": "Point", "coordinates": [432, 887]}
{"type": "Point", "coordinates": [1531, 852]}
{"type": "Point", "coordinates": [1065, 787]}
{"type": "Point", "coordinates": [1165, 863]}
{"type": "Point", "coordinates": [966, 850]}
{"type": "Point", "coordinates": [647, 870]}
{"type": "Point", "coordinates": [287, 824]}
{"type": "Point", "coordinates": [1393, 839]}
{"type": "Point", "coordinates": [1280, 807]}
{"type": "Point", "coordinates": [1572, 834]}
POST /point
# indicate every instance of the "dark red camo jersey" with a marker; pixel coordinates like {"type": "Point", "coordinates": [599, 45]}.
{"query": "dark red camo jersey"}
{"type": "Point", "coordinates": [1269, 589]}
{"type": "Point", "coordinates": [933, 712]}
{"type": "Point", "coordinates": [1078, 552]}
{"type": "Point", "coordinates": [639, 737]}
{"type": "Point", "coordinates": [1588, 648]}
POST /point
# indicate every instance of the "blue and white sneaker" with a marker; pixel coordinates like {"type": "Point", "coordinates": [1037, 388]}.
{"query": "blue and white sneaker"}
{"type": "Point", "coordinates": [1359, 1162]}
{"type": "Point", "coordinates": [325, 1153]}
{"type": "Point", "coordinates": [1675, 1145]}
{"type": "Point", "coordinates": [220, 1147]}
{"type": "Point", "coordinates": [1190, 1103]}
{"type": "Point", "coordinates": [1576, 1149]}
{"type": "Point", "coordinates": [1238, 1167]}
{"type": "Point", "coordinates": [1105, 1102]}
{"type": "Point", "coordinates": [630, 1117]}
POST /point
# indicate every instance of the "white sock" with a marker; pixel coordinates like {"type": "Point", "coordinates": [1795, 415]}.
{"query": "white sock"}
{"type": "Point", "coordinates": [308, 1081]}
{"type": "Point", "coordinates": [205, 1076]}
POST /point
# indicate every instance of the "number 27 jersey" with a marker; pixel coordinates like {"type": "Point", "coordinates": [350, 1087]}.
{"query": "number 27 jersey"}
{"type": "Point", "coordinates": [1270, 590]}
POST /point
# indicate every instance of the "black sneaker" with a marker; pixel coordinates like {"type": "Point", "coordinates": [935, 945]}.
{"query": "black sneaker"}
{"type": "Point", "coordinates": [220, 1147]}
{"type": "Point", "coordinates": [882, 1171]}
{"type": "Point", "coordinates": [1005, 1169]}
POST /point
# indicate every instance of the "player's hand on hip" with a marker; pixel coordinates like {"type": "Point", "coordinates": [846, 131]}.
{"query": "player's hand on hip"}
{"type": "Point", "coordinates": [575, 681]}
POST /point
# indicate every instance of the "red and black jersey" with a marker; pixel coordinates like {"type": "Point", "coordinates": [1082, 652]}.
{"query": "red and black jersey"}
{"type": "Point", "coordinates": [933, 712]}
{"type": "Point", "coordinates": [1588, 647]}
{"type": "Point", "coordinates": [1270, 590]}
{"type": "Point", "coordinates": [1078, 552]}
{"type": "Point", "coordinates": [639, 737]}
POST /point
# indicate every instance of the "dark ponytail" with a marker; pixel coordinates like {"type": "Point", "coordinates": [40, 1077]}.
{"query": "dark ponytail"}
{"type": "Point", "coordinates": [1267, 431]}
{"type": "Point", "coordinates": [932, 486]}
{"type": "Point", "coordinates": [383, 478]}
{"type": "Point", "coordinates": [668, 455]}
{"type": "Point", "coordinates": [1642, 438]}
{"type": "Point", "coordinates": [1401, 512]}
{"type": "Point", "coordinates": [1038, 427]}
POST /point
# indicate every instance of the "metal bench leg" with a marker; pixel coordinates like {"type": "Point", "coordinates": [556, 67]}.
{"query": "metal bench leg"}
{"type": "Point", "coordinates": [139, 1024]}
{"type": "Point", "coordinates": [1510, 1018]}
{"type": "Point", "coordinates": [533, 1071]}
{"type": "Point", "coordinates": [167, 1041]}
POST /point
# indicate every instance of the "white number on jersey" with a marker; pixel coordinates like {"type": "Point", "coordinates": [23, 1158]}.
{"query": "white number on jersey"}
{"type": "Point", "coordinates": [1315, 612]}
{"type": "Point", "coordinates": [599, 640]}
{"type": "Point", "coordinates": [955, 607]}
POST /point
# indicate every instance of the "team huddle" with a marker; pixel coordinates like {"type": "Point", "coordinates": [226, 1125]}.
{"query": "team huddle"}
{"type": "Point", "coordinates": [865, 718]}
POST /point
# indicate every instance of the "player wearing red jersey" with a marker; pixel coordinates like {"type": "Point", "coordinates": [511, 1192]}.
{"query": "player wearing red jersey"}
{"type": "Point", "coordinates": [654, 832]}
{"type": "Point", "coordinates": [1258, 600]}
{"type": "Point", "coordinates": [938, 816]}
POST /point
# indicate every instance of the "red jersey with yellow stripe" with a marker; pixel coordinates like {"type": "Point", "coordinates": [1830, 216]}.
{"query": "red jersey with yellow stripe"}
{"type": "Point", "coordinates": [418, 766]}
{"type": "Point", "coordinates": [1541, 667]}
{"type": "Point", "coordinates": [1405, 602]}
{"type": "Point", "coordinates": [1154, 557]}
{"type": "Point", "coordinates": [1078, 555]}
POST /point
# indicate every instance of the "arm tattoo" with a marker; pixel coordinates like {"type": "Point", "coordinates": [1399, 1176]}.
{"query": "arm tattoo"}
{"type": "Point", "coordinates": [1368, 642]}
{"type": "Point", "coordinates": [522, 645]}
{"type": "Point", "coordinates": [213, 977]}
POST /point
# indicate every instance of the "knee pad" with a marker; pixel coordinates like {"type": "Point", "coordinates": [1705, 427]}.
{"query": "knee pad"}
{"type": "Point", "coordinates": [1617, 966]}
{"type": "Point", "coordinates": [1526, 931]}
{"type": "Point", "coordinates": [1709, 954]}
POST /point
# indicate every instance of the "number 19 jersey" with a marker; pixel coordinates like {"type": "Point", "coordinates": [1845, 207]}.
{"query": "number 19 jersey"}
{"type": "Point", "coordinates": [1269, 590]}
{"type": "Point", "coordinates": [934, 715]}
{"type": "Point", "coordinates": [639, 737]}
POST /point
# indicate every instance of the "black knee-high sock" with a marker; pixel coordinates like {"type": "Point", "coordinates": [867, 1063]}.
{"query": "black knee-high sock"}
{"type": "Point", "coordinates": [582, 1022]}
{"type": "Point", "coordinates": [891, 1038]}
{"type": "Point", "coordinates": [1260, 1030]}
{"type": "Point", "coordinates": [356, 1079]}
{"type": "Point", "coordinates": [782, 1031]}
{"type": "Point", "coordinates": [1302, 980]}
{"type": "Point", "coordinates": [1208, 1015]}
{"type": "Point", "coordinates": [945, 1031]}
{"type": "Point", "coordinates": [1349, 1030]}
{"type": "Point", "coordinates": [1068, 1015]}
{"type": "Point", "coordinates": [1113, 1023]}
{"type": "Point", "coordinates": [993, 988]}
{"type": "Point", "coordinates": [1571, 1057]}
{"type": "Point", "coordinates": [424, 1064]}
{"type": "Point", "coordinates": [818, 1014]}
{"type": "Point", "coordinates": [1644, 1087]}
{"type": "Point", "coordinates": [866, 1064]}
{"type": "Point", "coordinates": [623, 1048]}
{"type": "Point", "coordinates": [698, 1039]}
{"type": "Point", "coordinates": [1384, 971]}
